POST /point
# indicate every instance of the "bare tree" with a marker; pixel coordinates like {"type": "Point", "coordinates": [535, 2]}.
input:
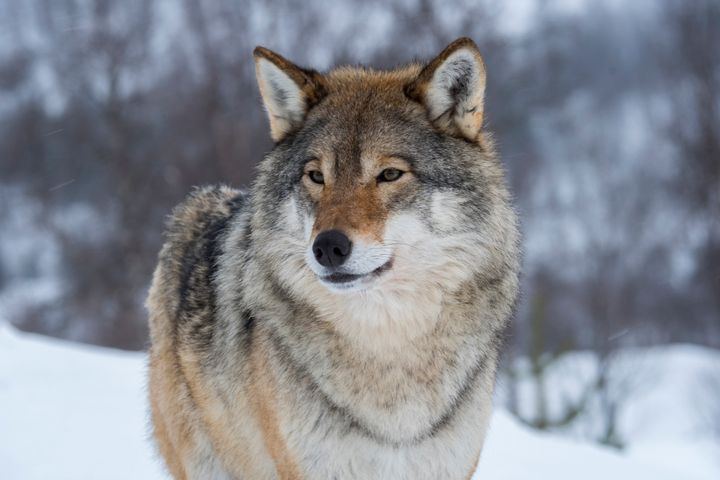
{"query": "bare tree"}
{"type": "Point", "coordinates": [692, 69]}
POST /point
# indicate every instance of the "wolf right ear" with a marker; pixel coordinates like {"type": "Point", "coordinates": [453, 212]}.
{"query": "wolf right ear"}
{"type": "Point", "coordinates": [288, 91]}
{"type": "Point", "coordinates": [452, 89]}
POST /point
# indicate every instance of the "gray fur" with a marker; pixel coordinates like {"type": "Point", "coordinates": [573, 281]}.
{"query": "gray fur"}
{"type": "Point", "coordinates": [415, 408]}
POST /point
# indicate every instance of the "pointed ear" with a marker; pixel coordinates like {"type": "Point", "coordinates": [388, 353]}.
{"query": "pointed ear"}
{"type": "Point", "coordinates": [452, 89]}
{"type": "Point", "coordinates": [287, 90]}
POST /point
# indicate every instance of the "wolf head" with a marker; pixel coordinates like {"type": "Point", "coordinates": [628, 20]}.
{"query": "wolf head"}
{"type": "Point", "coordinates": [383, 191]}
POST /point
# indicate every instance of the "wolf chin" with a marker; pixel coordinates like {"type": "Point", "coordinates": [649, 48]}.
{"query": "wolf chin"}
{"type": "Point", "coordinates": [342, 319]}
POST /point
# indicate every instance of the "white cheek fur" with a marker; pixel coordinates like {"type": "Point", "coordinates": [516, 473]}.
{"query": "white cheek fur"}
{"type": "Point", "coordinates": [291, 215]}
{"type": "Point", "coordinates": [443, 211]}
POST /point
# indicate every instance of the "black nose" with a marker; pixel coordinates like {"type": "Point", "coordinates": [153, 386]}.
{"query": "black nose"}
{"type": "Point", "coordinates": [332, 248]}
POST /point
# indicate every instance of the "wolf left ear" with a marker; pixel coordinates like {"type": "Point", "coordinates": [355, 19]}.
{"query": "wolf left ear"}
{"type": "Point", "coordinates": [288, 91]}
{"type": "Point", "coordinates": [452, 89]}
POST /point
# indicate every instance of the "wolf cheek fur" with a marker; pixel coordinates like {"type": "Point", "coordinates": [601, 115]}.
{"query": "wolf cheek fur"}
{"type": "Point", "coordinates": [269, 360]}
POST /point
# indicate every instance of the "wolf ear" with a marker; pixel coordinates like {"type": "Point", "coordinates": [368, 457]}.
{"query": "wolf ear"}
{"type": "Point", "coordinates": [452, 89]}
{"type": "Point", "coordinates": [287, 90]}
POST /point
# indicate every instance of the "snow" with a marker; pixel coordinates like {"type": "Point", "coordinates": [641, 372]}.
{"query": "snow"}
{"type": "Point", "coordinates": [71, 411]}
{"type": "Point", "coordinates": [514, 452]}
{"type": "Point", "coordinates": [668, 394]}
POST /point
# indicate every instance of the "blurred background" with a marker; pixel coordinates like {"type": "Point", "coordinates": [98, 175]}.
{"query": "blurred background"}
{"type": "Point", "coordinates": [606, 114]}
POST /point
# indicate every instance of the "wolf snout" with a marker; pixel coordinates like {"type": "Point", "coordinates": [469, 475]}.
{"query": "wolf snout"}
{"type": "Point", "coordinates": [331, 248]}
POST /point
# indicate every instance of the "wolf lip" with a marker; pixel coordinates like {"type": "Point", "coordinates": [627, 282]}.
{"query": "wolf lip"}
{"type": "Point", "coordinates": [340, 277]}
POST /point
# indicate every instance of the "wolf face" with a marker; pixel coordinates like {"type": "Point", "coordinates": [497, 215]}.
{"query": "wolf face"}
{"type": "Point", "coordinates": [382, 187]}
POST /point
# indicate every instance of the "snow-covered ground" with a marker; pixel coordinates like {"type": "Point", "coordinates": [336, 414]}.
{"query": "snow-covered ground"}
{"type": "Point", "coordinates": [70, 411]}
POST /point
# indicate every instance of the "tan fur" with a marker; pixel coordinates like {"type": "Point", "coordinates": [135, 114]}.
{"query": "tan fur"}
{"type": "Point", "coordinates": [258, 370]}
{"type": "Point", "coordinates": [357, 211]}
{"type": "Point", "coordinates": [162, 396]}
{"type": "Point", "coordinates": [472, 470]}
{"type": "Point", "coordinates": [264, 395]}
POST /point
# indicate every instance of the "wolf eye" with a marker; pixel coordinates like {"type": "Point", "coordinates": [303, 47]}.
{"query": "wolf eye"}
{"type": "Point", "coordinates": [316, 176]}
{"type": "Point", "coordinates": [390, 175]}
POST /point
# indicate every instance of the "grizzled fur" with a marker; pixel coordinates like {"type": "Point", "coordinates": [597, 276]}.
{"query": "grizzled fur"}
{"type": "Point", "coordinates": [258, 369]}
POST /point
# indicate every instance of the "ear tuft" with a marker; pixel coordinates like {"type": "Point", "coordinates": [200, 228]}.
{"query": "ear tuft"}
{"type": "Point", "coordinates": [452, 89]}
{"type": "Point", "coordinates": [288, 91]}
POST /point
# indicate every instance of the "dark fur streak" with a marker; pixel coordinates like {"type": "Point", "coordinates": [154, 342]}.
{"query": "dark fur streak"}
{"type": "Point", "coordinates": [197, 289]}
{"type": "Point", "coordinates": [248, 327]}
{"type": "Point", "coordinates": [460, 86]}
{"type": "Point", "coordinates": [280, 95]}
{"type": "Point", "coordinates": [461, 397]}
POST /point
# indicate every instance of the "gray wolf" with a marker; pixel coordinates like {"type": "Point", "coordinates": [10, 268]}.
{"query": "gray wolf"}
{"type": "Point", "coordinates": [342, 319]}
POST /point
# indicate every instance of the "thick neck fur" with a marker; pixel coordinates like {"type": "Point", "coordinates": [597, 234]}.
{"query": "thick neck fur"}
{"type": "Point", "coordinates": [400, 388]}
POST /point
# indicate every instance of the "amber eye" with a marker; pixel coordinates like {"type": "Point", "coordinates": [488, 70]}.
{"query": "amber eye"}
{"type": "Point", "coordinates": [316, 176]}
{"type": "Point", "coordinates": [390, 175]}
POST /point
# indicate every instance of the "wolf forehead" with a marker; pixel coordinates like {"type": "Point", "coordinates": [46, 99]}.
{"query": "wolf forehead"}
{"type": "Point", "coordinates": [365, 114]}
{"type": "Point", "coordinates": [356, 90]}
{"type": "Point", "coordinates": [366, 110]}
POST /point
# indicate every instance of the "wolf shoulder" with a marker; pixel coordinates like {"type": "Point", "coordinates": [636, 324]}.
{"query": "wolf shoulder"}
{"type": "Point", "coordinates": [205, 214]}
{"type": "Point", "coordinates": [194, 236]}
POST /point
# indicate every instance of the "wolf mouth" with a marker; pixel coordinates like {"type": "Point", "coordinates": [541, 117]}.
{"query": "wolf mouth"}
{"type": "Point", "coordinates": [340, 278]}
